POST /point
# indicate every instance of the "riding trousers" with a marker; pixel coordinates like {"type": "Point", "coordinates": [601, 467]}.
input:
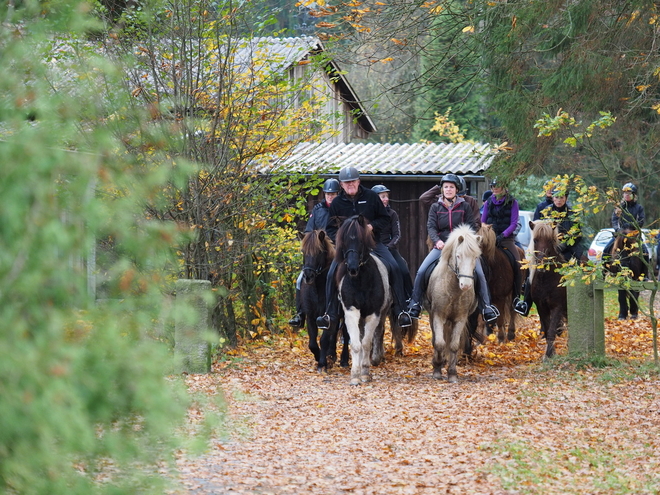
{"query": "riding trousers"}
{"type": "Point", "coordinates": [396, 282]}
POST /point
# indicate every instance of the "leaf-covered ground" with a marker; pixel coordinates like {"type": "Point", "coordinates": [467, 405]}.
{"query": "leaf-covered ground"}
{"type": "Point", "coordinates": [511, 425]}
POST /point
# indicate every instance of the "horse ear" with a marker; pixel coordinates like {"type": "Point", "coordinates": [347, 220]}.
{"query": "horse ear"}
{"type": "Point", "coordinates": [479, 238]}
{"type": "Point", "coordinates": [461, 239]}
{"type": "Point", "coordinates": [531, 225]}
{"type": "Point", "coordinates": [321, 235]}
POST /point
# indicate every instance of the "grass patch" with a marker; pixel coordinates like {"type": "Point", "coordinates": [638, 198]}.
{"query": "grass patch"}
{"type": "Point", "coordinates": [524, 467]}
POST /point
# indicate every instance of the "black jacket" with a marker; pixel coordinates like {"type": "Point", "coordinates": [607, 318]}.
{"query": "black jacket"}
{"type": "Point", "coordinates": [632, 216]}
{"type": "Point", "coordinates": [366, 203]}
{"type": "Point", "coordinates": [318, 219]}
{"type": "Point", "coordinates": [443, 220]}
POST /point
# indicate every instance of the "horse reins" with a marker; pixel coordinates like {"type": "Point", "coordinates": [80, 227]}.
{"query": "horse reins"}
{"type": "Point", "coordinates": [362, 261]}
{"type": "Point", "coordinates": [458, 274]}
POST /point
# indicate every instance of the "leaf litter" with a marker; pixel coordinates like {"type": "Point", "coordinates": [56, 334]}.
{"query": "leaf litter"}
{"type": "Point", "coordinates": [512, 425]}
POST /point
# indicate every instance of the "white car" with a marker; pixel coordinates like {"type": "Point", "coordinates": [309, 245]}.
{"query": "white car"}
{"type": "Point", "coordinates": [603, 236]}
{"type": "Point", "coordinates": [524, 236]}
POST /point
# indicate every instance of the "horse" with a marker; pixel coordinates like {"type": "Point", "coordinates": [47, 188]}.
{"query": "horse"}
{"type": "Point", "coordinates": [625, 254]}
{"type": "Point", "coordinates": [547, 293]}
{"type": "Point", "coordinates": [451, 298]}
{"type": "Point", "coordinates": [500, 276]}
{"type": "Point", "coordinates": [364, 293]}
{"type": "Point", "coordinates": [318, 253]}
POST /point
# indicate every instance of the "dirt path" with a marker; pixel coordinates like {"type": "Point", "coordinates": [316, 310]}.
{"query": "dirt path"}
{"type": "Point", "coordinates": [511, 425]}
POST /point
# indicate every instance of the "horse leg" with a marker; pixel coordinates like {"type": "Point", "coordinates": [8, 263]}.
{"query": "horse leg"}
{"type": "Point", "coordinates": [551, 332]}
{"type": "Point", "coordinates": [328, 352]}
{"type": "Point", "coordinates": [368, 341]}
{"type": "Point", "coordinates": [352, 320]}
{"type": "Point", "coordinates": [313, 333]}
{"type": "Point", "coordinates": [438, 347]}
{"type": "Point", "coordinates": [378, 345]}
{"type": "Point", "coordinates": [397, 334]}
{"type": "Point", "coordinates": [345, 350]}
{"type": "Point", "coordinates": [634, 306]}
{"type": "Point", "coordinates": [623, 304]}
{"type": "Point", "coordinates": [454, 346]}
{"type": "Point", "coordinates": [511, 334]}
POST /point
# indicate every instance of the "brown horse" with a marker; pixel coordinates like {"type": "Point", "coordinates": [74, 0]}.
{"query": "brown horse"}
{"type": "Point", "coordinates": [625, 254]}
{"type": "Point", "coordinates": [500, 275]}
{"type": "Point", "coordinates": [452, 299]}
{"type": "Point", "coordinates": [547, 293]}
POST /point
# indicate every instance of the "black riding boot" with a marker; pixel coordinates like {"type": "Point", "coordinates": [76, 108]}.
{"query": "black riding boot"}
{"type": "Point", "coordinates": [524, 306]}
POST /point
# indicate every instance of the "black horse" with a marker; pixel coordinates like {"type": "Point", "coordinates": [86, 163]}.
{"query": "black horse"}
{"type": "Point", "coordinates": [626, 255]}
{"type": "Point", "coordinates": [318, 253]}
{"type": "Point", "coordinates": [365, 295]}
{"type": "Point", "coordinates": [547, 293]}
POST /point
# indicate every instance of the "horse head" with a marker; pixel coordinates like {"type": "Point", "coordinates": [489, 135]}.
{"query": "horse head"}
{"type": "Point", "coordinates": [545, 241]}
{"type": "Point", "coordinates": [354, 244]}
{"type": "Point", "coordinates": [318, 253]}
{"type": "Point", "coordinates": [488, 240]}
{"type": "Point", "coordinates": [461, 252]}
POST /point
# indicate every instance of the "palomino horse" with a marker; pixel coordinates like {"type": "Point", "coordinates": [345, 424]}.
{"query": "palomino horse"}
{"type": "Point", "coordinates": [452, 298]}
{"type": "Point", "coordinates": [547, 293]}
{"type": "Point", "coordinates": [499, 272]}
{"type": "Point", "coordinates": [625, 254]}
{"type": "Point", "coordinates": [318, 253]}
{"type": "Point", "coordinates": [365, 295]}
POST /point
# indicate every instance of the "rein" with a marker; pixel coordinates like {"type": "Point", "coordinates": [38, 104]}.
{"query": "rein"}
{"type": "Point", "coordinates": [459, 274]}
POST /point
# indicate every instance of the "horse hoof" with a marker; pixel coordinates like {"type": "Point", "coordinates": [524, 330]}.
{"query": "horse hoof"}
{"type": "Point", "coordinates": [355, 382]}
{"type": "Point", "coordinates": [365, 378]}
{"type": "Point", "coordinates": [452, 379]}
{"type": "Point", "coordinates": [344, 364]}
{"type": "Point", "coordinates": [437, 374]}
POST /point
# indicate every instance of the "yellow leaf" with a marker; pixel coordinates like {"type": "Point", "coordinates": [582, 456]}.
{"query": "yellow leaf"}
{"type": "Point", "coordinates": [468, 29]}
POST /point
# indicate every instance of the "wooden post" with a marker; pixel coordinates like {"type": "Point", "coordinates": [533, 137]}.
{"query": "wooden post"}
{"type": "Point", "coordinates": [584, 337]}
{"type": "Point", "coordinates": [192, 322]}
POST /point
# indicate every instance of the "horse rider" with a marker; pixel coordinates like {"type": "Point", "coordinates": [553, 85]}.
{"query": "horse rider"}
{"type": "Point", "coordinates": [570, 235]}
{"type": "Point", "coordinates": [449, 211]}
{"type": "Point", "coordinates": [435, 193]}
{"type": "Point", "coordinates": [355, 199]}
{"type": "Point", "coordinates": [501, 212]}
{"type": "Point", "coordinates": [547, 200]}
{"type": "Point", "coordinates": [391, 235]}
{"type": "Point", "coordinates": [318, 219]}
{"type": "Point", "coordinates": [627, 216]}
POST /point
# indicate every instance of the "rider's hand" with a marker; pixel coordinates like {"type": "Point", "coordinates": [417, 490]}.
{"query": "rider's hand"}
{"type": "Point", "coordinates": [499, 239]}
{"type": "Point", "coordinates": [439, 244]}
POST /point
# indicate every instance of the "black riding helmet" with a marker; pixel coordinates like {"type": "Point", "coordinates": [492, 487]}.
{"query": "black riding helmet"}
{"type": "Point", "coordinates": [331, 186]}
{"type": "Point", "coordinates": [453, 178]}
{"type": "Point", "coordinates": [462, 191]}
{"type": "Point", "coordinates": [379, 188]}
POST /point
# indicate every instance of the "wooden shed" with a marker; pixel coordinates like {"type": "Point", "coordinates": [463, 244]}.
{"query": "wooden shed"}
{"type": "Point", "coordinates": [408, 170]}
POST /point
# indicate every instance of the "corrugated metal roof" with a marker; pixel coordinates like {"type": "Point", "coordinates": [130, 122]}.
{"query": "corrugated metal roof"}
{"type": "Point", "coordinates": [277, 54]}
{"type": "Point", "coordinates": [418, 158]}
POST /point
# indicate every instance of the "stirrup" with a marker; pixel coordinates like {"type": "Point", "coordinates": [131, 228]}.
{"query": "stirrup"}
{"type": "Point", "coordinates": [404, 319]}
{"type": "Point", "coordinates": [521, 307]}
{"type": "Point", "coordinates": [492, 311]}
{"type": "Point", "coordinates": [323, 322]}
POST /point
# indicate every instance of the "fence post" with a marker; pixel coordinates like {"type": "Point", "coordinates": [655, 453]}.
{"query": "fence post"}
{"type": "Point", "coordinates": [192, 321]}
{"type": "Point", "coordinates": [585, 319]}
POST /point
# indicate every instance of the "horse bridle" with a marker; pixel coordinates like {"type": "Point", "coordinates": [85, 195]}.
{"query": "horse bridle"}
{"type": "Point", "coordinates": [317, 271]}
{"type": "Point", "coordinates": [346, 251]}
{"type": "Point", "coordinates": [459, 274]}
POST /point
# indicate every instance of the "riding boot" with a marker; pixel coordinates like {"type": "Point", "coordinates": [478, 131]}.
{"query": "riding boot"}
{"type": "Point", "coordinates": [330, 317]}
{"type": "Point", "coordinates": [414, 308]}
{"type": "Point", "coordinates": [298, 319]}
{"type": "Point", "coordinates": [524, 306]}
{"type": "Point", "coordinates": [489, 312]}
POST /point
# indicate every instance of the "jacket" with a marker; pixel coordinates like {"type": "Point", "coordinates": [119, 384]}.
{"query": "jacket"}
{"type": "Point", "coordinates": [632, 216]}
{"type": "Point", "coordinates": [318, 218]}
{"type": "Point", "coordinates": [442, 219]}
{"type": "Point", "coordinates": [433, 195]}
{"type": "Point", "coordinates": [366, 203]}
{"type": "Point", "coordinates": [502, 214]}
{"type": "Point", "coordinates": [391, 234]}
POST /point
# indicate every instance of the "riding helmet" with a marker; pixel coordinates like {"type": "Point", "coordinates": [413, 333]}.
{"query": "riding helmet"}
{"type": "Point", "coordinates": [493, 182]}
{"type": "Point", "coordinates": [331, 186]}
{"type": "Point", "coordinates": [462, 191]}
{"type": "Point", "coordinates": [453, 178]}
{"type": "Point", "coordinates": [347, 174]}
{"type": "Point", "coordinates": [629, 187]}
{"type": "Point", "coordinates": [379, 188]}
